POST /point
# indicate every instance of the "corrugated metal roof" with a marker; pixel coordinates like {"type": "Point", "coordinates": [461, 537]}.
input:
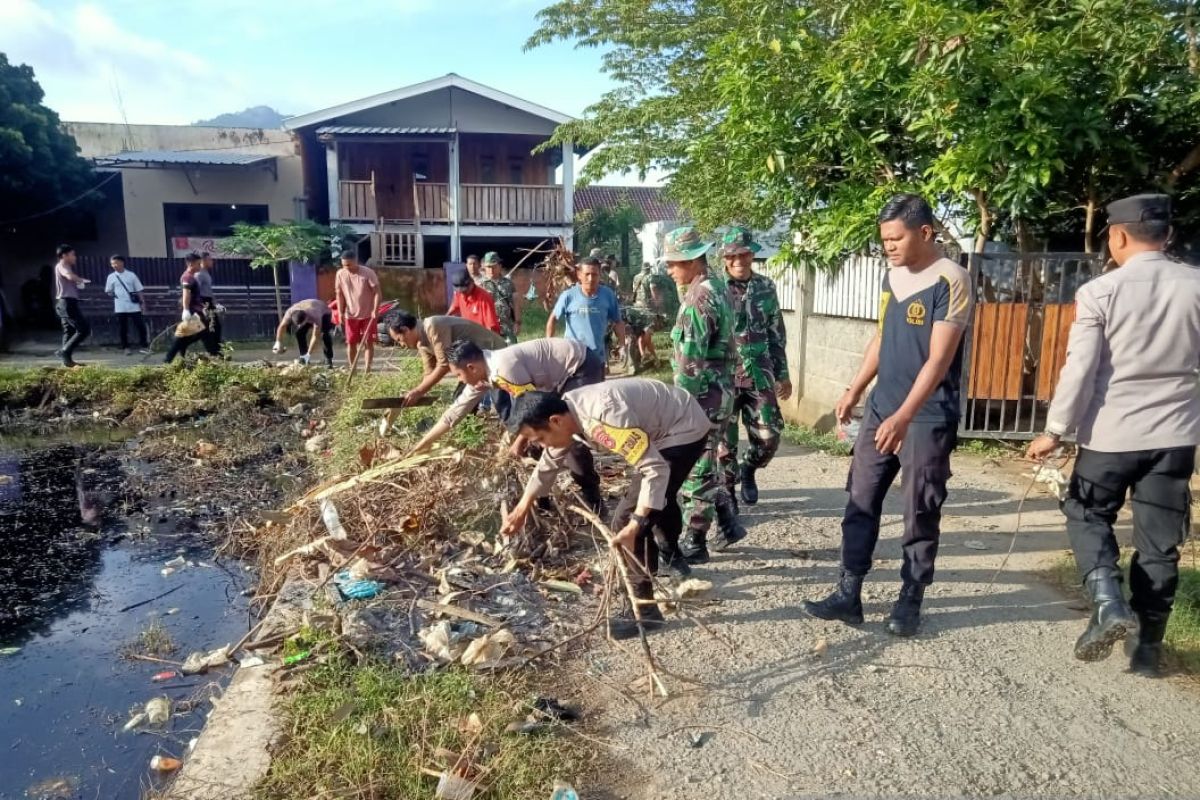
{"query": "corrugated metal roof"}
{"type": "Point", "coordinates": [206, 158]}
{"type": "Point", "coordinates": [371, 130]}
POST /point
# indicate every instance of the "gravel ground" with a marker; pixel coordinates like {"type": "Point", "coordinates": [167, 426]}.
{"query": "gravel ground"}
{"type": "Point", "coordinates": [986, 700]}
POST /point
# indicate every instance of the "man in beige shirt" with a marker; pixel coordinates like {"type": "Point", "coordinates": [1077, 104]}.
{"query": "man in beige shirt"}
{"type": "Point", "coordinates": [542, 365]}
{"type": "Point", "coordinates": [432, 338]}
{"type": "Point", "coordinates": [661, 432]}
{"type": "Point", "coordinates": [1129, 393]}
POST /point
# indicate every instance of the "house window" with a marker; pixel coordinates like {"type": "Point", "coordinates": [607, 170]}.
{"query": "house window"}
{"type": "Point", "coordinates": [209, 219]}
{"type": "Point", "coordinates": [420, 166]}
{"type": "Point", "coordinates": [516, 170]}
{"type": "Point", "coordinates": [487, 169]}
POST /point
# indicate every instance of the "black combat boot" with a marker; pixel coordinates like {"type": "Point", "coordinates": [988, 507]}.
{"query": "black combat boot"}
{"type": "Point", "coordinates": [1112, 619]}
{"type": "Point", "coordinates": [906, 613]}
{"type": "Point", "coordinates": [1146, 650]}
{"type": "Point", "coordinates": [843, 604]}
{"type": "Point", "coordinates": [694, 546]}
{"type": "Point", "coordinates": [729, 528]}
{"type": "Point", "coordinates": [624, 625]}
{"type": "Point", "coordinates": [749, 485]}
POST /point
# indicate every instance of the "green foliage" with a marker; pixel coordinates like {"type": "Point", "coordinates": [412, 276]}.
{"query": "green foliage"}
{"type": "Point", "coordinates": [804, 436]}
{"type": "Point", "coordinates": [268, 245]}
{"type": "Point", "coordinates": [1015, 116]}
{"type": "Point", "coordinates": [120, 389]}
{"type": "Point", "coordinates": [378, 725]}
{"type": "Point", "coordinates": [40, 166]}
{"type": "Point", "coordinates": [610, 229]}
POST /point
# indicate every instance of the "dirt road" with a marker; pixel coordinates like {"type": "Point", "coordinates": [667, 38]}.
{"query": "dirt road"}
{"type": "Point", "coordinates": [986, 700]}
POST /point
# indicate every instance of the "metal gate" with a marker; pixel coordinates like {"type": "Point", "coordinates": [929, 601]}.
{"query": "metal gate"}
{"type": "Point", "coordinates": [1024, 307]}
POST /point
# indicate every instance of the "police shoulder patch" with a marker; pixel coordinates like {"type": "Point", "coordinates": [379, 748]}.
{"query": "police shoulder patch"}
{"type": "Point", "coordinates": [514, 389]}
{"type": "Point", "coordinates": [629, 443]}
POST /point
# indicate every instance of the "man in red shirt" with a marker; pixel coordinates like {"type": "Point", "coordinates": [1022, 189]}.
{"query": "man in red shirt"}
{"type": "Point", "coordinates": [357, 289]}
{"type": "Point", "coordinates": [473, 303]}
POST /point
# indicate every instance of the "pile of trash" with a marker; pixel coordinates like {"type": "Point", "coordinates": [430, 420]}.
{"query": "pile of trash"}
{"type": "Point", "coordinates": [409, 556]}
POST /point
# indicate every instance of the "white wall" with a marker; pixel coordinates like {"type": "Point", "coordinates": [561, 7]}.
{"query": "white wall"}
{"type": "Point", "coordinates": [105, 139]}
{"type": "Point", "coordinates": [146, 190]}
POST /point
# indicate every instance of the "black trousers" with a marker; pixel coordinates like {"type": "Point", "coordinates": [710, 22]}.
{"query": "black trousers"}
{"type": "Point", "coordinates": [306, 332]}
{"type": "Point", "coordinates": [924, 460]}
{"type": "Point", "coordinates": [179, 346]}
{"type": "Point", "coordinates": [127, 318]}
{"type": "Point", "coordinates": [666, 524]}
{"type": "Point", "coordinates": [1157, 482]}
{"type": "Point", "coordinates": [75, 326]}
{"type": "Point", "coordinates": [212, 335]}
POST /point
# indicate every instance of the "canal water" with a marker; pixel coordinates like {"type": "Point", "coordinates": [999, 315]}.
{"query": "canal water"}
{"type": "Point", "coordinates": [67, 685]}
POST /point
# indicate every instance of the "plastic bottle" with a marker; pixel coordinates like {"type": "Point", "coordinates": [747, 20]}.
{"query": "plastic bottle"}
{"type": "Point", "coordinates": [333, 524]}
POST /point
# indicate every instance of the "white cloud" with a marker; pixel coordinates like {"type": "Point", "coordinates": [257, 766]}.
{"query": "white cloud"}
{"type": "Point", "coordinates": [83, 57]}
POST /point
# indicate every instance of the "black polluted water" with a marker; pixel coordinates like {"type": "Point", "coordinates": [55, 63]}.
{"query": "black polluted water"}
{"type": "Point", "coordinates": [91, 575]}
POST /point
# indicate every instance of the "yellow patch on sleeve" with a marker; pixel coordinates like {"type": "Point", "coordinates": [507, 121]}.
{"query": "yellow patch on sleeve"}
{"type": "Point", "coordinates": [884, 298]}
{"type": "Point", "coordinates": [514, 389]}
{"type": "Point", "coordinates": [629, 443]}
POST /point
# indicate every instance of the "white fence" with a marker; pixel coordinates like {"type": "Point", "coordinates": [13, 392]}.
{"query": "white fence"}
{"type": "Point", "coordinates": [787, 284]}
{"type": "Point", "coordinates": [853, 292]}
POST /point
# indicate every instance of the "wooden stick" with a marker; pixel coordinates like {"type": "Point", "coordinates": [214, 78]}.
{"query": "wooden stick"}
{"type": "Point", "coordinates": [622, 568]}
{"type": "Point", "coordinates": [460, 612]}
{"type": "Point", "coordinates": [537, 249]}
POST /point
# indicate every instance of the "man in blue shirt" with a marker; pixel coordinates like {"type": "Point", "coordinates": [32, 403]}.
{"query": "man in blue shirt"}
{"type": "Point", "coordinates": [911, 420]}
{"type": "Point", "coordinates": [587, 308]}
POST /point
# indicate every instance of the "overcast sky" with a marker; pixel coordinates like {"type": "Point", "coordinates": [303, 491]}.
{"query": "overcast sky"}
{"type": "Point", "coordinates": [169, 62]}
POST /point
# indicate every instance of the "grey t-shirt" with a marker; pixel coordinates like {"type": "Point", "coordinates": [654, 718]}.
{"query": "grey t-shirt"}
{"type": "Point", "coordinates": [64, 287]}
{"type": "Point", "coordinates": [204, 281]}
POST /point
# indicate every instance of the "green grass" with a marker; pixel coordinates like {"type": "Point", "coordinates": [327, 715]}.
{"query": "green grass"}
{"type": "Point", "coordinates": [350, 428]}
{"type": "Point", "coordinates": [119, 389]}
{"type": "Point", "coordinates": [369, 730]}
{"type": "Point", "coordinates": [1183, 629]}
{"type": "Point", "coordinates": [807, 437]}
{"type": "Point", "coordinates": [990, 448]}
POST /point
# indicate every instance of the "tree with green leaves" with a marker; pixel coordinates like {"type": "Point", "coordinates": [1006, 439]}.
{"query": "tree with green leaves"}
{"type": "Point", "coordinates": [1019, 118]}
{"type": "Point", "coordinates": [40, 165]}
{"type": "Point", "coordinates": [603, 227]}
{"type": "Point", "coordinates": [280, 242]}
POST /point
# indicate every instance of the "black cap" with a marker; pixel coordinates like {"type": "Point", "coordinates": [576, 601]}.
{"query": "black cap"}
{"type": "Point", "coordinates": [1139, 208]}
{"type": "Point", "coordinates": [463, 281]}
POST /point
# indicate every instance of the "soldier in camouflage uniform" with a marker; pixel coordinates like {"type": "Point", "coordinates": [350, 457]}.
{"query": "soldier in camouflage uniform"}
{"type": "Point", "coordinates": [702, 361]}
{"type": "Point", "coordinates": [643, 318]}
{"type": "Point", "coordinates": [760, 375]}
{"type": "Point", "coordinates": [502, 290]}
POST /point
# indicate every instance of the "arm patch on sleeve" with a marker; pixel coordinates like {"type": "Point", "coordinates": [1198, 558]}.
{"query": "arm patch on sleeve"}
{"type": "Point", "coordinates": [629, 443]}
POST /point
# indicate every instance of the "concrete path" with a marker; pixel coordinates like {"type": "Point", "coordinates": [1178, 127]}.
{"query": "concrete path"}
{"type": "Point", "coordinates": [986, 700]}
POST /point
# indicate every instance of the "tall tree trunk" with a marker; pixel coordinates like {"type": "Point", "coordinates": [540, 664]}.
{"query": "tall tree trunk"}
{"type": "Point", "coordinates": [1089, 222]}
{"type": "Point", "coordinates": [625, 253]}
{"type": "Point", "coordinates": [278, 294]}
{"type": "Point", "coordinates": [985, 220]}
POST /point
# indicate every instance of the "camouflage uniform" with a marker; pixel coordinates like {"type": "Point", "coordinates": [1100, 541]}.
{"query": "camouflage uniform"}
{"type": "Point", "coordinates": [759, 338]}
{"type": "Point", "coordinates": [702, 361]}
{"type": "Point", "coordinates": [504, 293]}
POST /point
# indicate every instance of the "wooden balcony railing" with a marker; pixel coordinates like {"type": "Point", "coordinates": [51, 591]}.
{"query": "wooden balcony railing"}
{"type": "Point", "coordinates": [396, 248]}
{"type": "Point", "coordinates": [356, 201]}
{"type": "Point", "coordinates": [479, 204]}
{"type": "Point", "coordinates": [510, 204]}
{"type": "Point", "coordinates": [433, 201]}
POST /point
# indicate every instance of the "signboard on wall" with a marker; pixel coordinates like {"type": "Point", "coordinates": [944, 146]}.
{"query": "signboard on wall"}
{"type": "Point", "coordinates": [182, 245]}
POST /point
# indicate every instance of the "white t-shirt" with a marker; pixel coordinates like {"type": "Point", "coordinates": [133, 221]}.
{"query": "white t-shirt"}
{"type": "Point", "coordinates": [120, 287]}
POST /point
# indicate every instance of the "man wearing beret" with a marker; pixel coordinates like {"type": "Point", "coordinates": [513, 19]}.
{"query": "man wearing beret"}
{"type": "Point", "coordinates": [1128, 392]}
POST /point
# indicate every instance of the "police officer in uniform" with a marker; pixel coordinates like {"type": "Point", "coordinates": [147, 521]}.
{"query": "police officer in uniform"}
{"type": "Point", "coordinates": [1128, 391]}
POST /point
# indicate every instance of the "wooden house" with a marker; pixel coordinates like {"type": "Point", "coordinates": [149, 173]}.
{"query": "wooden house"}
{"type": "Point", "coordinates": [438, 170]}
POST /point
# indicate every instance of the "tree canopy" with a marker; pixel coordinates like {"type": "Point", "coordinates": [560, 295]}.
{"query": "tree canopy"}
{"type": "Point", "coordinates": [1019, 118]}
{"type": "Point", "coordinates": [40, 165]}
